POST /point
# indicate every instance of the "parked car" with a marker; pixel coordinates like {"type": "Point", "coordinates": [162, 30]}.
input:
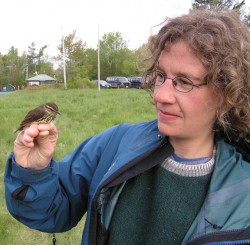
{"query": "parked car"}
{"type": "Point", "coordinates": [118, 82]}
{"type": "Point", "coordinates": [136, 82]}
{"type": "Point", "coordinates": [103, 84]}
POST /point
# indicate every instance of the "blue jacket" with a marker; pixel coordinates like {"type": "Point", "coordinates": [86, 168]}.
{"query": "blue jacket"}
{"type": "Point", "coordinates": [56, 198]}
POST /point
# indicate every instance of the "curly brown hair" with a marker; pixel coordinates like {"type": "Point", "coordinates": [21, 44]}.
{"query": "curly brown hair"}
{"type": "Point", "coordinates": [222, 43]}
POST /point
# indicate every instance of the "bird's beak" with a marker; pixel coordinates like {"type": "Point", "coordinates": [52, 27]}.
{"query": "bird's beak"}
{"type": "Point", "coordinates": [58, 112]}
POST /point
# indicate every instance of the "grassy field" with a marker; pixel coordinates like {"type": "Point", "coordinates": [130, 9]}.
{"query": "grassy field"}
{"type": "Point", "coordinates": [83, 113]}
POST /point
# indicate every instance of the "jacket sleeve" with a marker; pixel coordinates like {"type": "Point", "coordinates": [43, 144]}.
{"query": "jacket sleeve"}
{"type": "Point", "coordinates": [54, 199]}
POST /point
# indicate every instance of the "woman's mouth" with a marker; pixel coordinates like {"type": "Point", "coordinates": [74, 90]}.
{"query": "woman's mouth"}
{"type": "Point", "coordinates": [165, 115]}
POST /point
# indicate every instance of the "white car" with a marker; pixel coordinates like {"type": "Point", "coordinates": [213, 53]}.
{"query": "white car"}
{"type": "Point", "coordinates": [104, 84]}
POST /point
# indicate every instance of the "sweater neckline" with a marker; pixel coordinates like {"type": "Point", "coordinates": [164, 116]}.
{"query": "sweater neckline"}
{"type": "Point", "coordinates": [189, 169]}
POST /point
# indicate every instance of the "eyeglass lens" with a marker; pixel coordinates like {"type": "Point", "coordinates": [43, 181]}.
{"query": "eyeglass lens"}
{"type": "Point", "coordinates": [180, 83]}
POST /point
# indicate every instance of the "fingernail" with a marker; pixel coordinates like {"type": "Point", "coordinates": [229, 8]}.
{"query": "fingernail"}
{"type": "Point", "coordinates": [41, 126]}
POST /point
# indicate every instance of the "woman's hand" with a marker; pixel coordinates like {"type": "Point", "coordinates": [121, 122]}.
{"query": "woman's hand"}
{"type": "Point", "coordinates": [35, 145]}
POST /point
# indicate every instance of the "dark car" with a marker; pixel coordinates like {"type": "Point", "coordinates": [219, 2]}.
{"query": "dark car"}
{"type": "Point", "coordinates": [118, 82]}
{"type": "Point", "coordinates": [136, 82]}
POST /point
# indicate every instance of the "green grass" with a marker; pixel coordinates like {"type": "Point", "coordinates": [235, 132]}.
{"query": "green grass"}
{"type": "Point", "coordinates": [83, 113]}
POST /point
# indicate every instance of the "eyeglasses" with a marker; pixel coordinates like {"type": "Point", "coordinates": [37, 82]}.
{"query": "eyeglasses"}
{"type": "Point", "coordinates": [181, 84]}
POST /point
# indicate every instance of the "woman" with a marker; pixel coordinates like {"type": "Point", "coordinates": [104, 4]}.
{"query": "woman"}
{"type": "Point", "coordinates": [183, 178]}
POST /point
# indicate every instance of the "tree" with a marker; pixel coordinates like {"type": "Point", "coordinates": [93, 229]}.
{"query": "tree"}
{"type": "Point", "coordinates": [75, 54]}
{"type": "Point", "coordinates": [14, 69]}
{"type": "Point", "coordinates": [3, 78]}
{"type": "Point", "coordinates": [219, 4]}
{"type": "Point", "coordinates": [142, 59]}
{"type": "Point", "coordinates": [222, 5]}
{"type": "Point", "coordinates": [91, 63]}
{"type": "Point", "coordinates": [81, 62]}
{"type": "Point", "coordinates": [35, 58]}
{"type": "Point", "coordinates": [46, 67]}
{"type": "Point", "coordinates": [128, 68]}
{"type": "Point", "coordinates": [113, 52]}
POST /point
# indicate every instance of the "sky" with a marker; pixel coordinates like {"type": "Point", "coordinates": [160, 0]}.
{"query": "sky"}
{"type": "Point", "coordinates": [44, 22]}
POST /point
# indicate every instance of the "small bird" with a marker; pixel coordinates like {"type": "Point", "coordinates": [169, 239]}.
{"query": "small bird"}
{"type": "Point", "coordinates": [45, 113]}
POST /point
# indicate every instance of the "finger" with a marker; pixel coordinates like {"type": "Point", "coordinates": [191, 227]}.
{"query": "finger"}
{"type": "Point", "coordinates": [24, 140]}
{"type": "Point", "coordinates": [47, 127]}
{"type": "Point", "coordinates": [48, 130]}
{"type": "Point", "coordinates": [30, 133]}
{"type": "Point", "coordinates": [27, 136]}
{"type": "Point", "coordinates": [32, 130]}
{"type": "Point", "coordinates": [43, 133]}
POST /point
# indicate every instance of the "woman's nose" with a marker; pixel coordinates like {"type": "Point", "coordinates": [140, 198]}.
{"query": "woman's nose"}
{"type": "Point", "coordinates": [165, 92]}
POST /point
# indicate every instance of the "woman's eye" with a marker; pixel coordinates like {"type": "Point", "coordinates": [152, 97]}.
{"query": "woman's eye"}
{"type": "Point", "coordinates": [159, 75]}
{"type": "Point", "coordinates": [183, 82]}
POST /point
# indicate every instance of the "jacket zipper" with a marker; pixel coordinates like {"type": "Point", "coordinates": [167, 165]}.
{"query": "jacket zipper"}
{"type": "Point", "coordinates": [112, 177]}
{"type": "Point", "coordinates": [230, 243]}
{"type": "Point", "coordinates": [223, 238]}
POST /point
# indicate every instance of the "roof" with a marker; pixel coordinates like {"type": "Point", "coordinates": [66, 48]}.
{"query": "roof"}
{"type": "Point", "coordinates": [41, 77]}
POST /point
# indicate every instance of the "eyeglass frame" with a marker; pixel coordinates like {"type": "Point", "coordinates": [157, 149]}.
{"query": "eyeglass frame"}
{"type": "Point", "coordinates": [165, 77]}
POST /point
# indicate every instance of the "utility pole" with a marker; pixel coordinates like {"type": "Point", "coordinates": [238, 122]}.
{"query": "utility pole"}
{"type": "Point", "coordinates": [27, 68]}
{"type": "Point", "coordinates": [27, 71]}
{"type": "Point", "coordinates": [64, 65]}
{"type": "Point", "coordinates": [98, 61]}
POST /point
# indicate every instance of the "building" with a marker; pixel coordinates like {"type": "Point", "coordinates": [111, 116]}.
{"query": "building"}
{"type": "Point", "coordinates": [41, 79]}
